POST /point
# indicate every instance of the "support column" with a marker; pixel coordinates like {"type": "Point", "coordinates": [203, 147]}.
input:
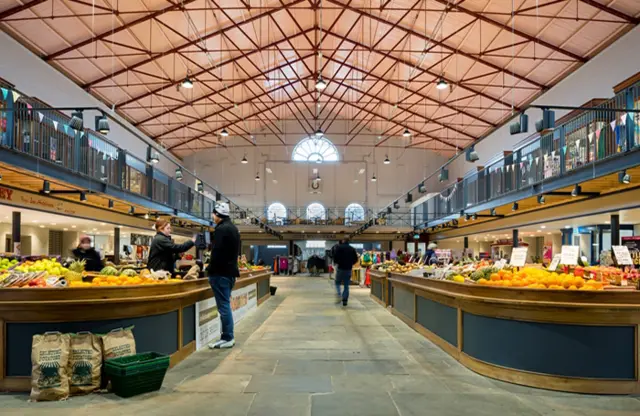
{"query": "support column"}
{"type": "Point", "coordinates": [516, 240]}
{"type": "Point", "coordinates": [116, 245]}
{"type": "Point", "coordinates": [292, 248]}
{"type": "Point", "coordinates": [466, 243]}
{"type": "Point", "coordinates": [615, 229]}
{"type": "Point", "coordinates": [15, 233]}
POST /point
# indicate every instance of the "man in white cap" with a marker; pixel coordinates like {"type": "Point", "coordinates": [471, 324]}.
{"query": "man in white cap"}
{"type": "Point", "coordinates": [223, 270]}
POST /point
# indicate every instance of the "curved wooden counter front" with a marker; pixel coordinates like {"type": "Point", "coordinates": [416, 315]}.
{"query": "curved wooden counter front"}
{"type": "Point", "coordinates": [164, 317]}
{"type": "Point", "coordinates": [577, 341]}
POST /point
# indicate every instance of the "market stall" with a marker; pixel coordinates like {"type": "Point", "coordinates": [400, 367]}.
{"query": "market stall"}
{"type": "Point", "coordinates": [379, 286]}
{"type": "Point", "coordinates": [164, 315]}
{"type": "Point", "coordinates": [556, 337]}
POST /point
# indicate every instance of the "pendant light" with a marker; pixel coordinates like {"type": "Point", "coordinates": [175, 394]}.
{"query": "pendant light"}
{"type": "Point", "coordinates": [179, 175]}
{"type": "Point", "coordinates": [244, 160]}
{"type": "Point", "coordinates": [102, 124]}
{"type": "Point", "coordinates": [406, 133]}
{"type": "Point", "coordinates": [319, 133]}
{"type": "Point", "coordinates": [76, 122]}
{"type": "Point", "coordinates": [373, 178]}
{"type": "Point", "coordinates": [577, 190]}
{"type": "Point", "coordinates": [257, 176]}
{"type": "Point", "coordinates": [224, 133]}
{"type": "Point", "coordinates": [386, 160]}
{"type": "Point", "coordinates": [442, 84]}
{"type": "Point", "coordinates": [320, 83]}
{"type": "Point", "coordinates": [187, 82]}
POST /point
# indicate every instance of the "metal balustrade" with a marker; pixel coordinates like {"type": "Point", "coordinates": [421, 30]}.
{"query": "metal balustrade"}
{"type": "Point", "coordinates": [589, 138]}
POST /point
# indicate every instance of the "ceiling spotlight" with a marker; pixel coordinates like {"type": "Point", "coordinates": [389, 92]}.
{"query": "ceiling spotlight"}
{"type": "Point", "coordinates": [244, 160]}
{"type": "Point", "coordinates": [493, 212]}
{"type": "Point", "coordinates": [386, 160]}
{"type": "Point", "coordinates": [514, 207]}
{"type": "Point", "coordinates": [471, 155]}
{"type": "Point", "coordinates": [257, 176]}
{"type": "Point", "coordinates": [111, 204]}
{"type": "Point", "coordinates": [179, 175]}
{"type": "Point", "coordinates": [442, 84]}
{"type": "Point", "coordinates": [46, 187]}
{"type": "Point", "coordinates": [624, 177]}
{"type": "Point", "coordinates": [224, 133]}
{"type": "Point", "coordinates": [102, 124]}
{"type": "Point", "coordinates": [200, 186]}
{"type": "Point", "coordinates": [154, 156]}
{"type": "Point", "coordinates": [406, 133]}
{"type": "Point", "coordinates": [187, 82]}
{"type": "Point", "coordinates": [321, 84]}
{"type": "Point", "coordinates": [132, 210]}
{"type": "Point", "coordinates": [146, 216]}
{"type": "Point", "coordinates": [83, 196]}
{"type": "Point", "coordinates": [373, 178]}
{"type": "Point", "coordinates": [541, 199]}
{"type": "Point", "coordinates": [76, 122]}
{"type": "Point", "coordinates": [577, 190]}
{"type": "Point", "coordinates": [474, 217]}
{"type": "Point", "coordinates": [319, 133]}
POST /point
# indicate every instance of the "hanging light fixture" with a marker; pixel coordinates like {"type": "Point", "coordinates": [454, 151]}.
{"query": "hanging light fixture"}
{"type": "Point", "coordinates": [373, 178]}
{"type": "Point", "coordinates": [319, 133]}
{"type": "Point", "coordinates": [132, 210]}
{"type": "Point", "coordinates": [179, 175]}
{"type": "Point", "coordinates": [83, 196]}
{"type": "Point", "coordinates": [386, 160]}
{"type": "Point", "coordinates": [244, 160]}
{"type": "Point", "coordinates": [514, 207]}
{"type": "Point", "coordinates": [187, 82]}
{"type": "Point", "coordinates": [624, 177]}
{"type": "Point", "coordinates": [102, 124]}
{"type": "Point", "coordinates": [541, 199]}
{"type": "Point", "coordinates": [46, 187]}
{"type": "Point", "coordinates": [76, 122]}
{"type": "Point", "coordinates": [224, 133]}
{"type": "Point", "coordinates": [406, 133]}
{"type": "Point", "coordinates": [257, 176]}
{"type": "Point", "coordinates": [146, 216]}
{"type": "Point", "coordinates": [442, 84]}
{"type": "Point", "coordinates": [200, 186]}
{"type": "Point", "coordinates": [154, 157]}
{"type": "Point", "coordinates": [111, 204]}
{"type": "Point", "coordinates": [577, 190]}
{"type": "Point", "coordinates": [320, 83]}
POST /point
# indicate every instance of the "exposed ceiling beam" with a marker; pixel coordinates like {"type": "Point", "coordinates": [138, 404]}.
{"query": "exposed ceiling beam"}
{"type": "Point", "coordinates": [612, 11]}
{"type": "Point", "coordinates": [190, 43]}
{"type": "Point", "coordinates": [18, 9]}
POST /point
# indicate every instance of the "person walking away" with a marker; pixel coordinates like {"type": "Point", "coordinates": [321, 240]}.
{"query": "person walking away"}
{"type": "Point", "coordinates": [91, 256]}
{"type": "Point", "coordinates": [163, 252]}
{"type": "Point", "coordinates": [223, 271]}
{"type": "Point", "coordinates": [345, 257]}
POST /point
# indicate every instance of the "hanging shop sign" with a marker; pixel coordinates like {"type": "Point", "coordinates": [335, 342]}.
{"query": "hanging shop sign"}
{"type": "Point", "coordinates": [243, 300]}
{"type": "Point", "coordinates": [569, 255]}
{"type": "Point", "coordinates": [622, 255]}
{"type": "Point", "coordinates": [633, 245]}
{"type": "Point", "coordinates": [519, 256]}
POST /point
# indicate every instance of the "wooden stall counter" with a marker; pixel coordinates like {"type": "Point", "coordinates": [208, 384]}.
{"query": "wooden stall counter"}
{"type": "Point", "coordinates": [575, 341]}
{"type": "Point", "coordinates": [164, 317]}
{"type": "Point", "coordinates": [380, 287]}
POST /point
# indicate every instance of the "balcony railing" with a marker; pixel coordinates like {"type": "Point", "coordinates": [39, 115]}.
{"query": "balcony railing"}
{"type": "Point", "coordinates": [583, 141]}
{"type": "Point", "coordinates": [28, 127]}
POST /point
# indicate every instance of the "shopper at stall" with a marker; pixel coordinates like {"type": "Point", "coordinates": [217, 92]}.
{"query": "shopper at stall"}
{"type": "Point", "coordinates": [164, 252]}
{"type": "Point", "coordinates": [223, 270]}
{"type": "Point", "coordinates": [430, 253]}
{"type": "Point", "coordinates": [91, 256]}
{"type": "Point", "coordinates": [345, 257]}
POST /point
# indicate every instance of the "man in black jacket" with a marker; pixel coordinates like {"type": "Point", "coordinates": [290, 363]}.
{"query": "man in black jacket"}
{"type": "Point", "coordinates": [223, 270]}
{"type": "Point", "coordinates": [344, 256]}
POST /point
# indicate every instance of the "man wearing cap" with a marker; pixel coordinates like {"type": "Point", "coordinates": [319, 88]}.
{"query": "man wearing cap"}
{"type": "Point", "coordinates": [223, 270]}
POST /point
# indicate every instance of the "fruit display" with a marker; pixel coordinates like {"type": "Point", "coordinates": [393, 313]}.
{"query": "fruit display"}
{"type": "Point", "coordinates": [6, 264]}
{"type": "Point", "coordinates": [122, 280]}
{"type": "Point", "coordinates": [109, 271]}
{"type": "Point", "coordinates": [76, 268]}
{"type": "Point", "coordinates": [392, 266]}
{"type": "Point", "coordinates": [530, 278]}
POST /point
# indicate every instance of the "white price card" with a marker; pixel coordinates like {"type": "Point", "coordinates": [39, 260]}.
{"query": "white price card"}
{"type": "Point", "coordinates": [569, 255]}
{"type": "Point", "coordinates": [554, 263]}
{"type": "Point", "coordinates": [519, 256]}
{"type": "Point", "coordinates": [623, 257]}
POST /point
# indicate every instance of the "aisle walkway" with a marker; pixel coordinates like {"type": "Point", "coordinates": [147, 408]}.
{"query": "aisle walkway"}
{"type": "Point", "coordinates": [300, 354]}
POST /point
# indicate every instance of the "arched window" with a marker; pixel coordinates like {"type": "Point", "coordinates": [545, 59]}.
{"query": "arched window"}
{"type": "Point", "coordinates": [316, 211]}
{"type": "Point", "coordinates": [354, 212]}
{"type": "Point", "coordinates": [276, 213]}
{"type": "Point", "coordinates": [315, 149]}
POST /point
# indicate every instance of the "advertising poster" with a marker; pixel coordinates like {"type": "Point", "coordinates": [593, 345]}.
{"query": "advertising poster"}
{"type": "Point", "coordinates": [243, 300]}
{"type": "Point", "coordinates": [633, 244]}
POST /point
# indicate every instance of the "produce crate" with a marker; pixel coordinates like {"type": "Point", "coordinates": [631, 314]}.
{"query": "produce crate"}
{"type": "Point", "coordinates": [137, 374]}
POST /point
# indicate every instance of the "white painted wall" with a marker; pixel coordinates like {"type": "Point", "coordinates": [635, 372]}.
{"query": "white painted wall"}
{"type": "Point", "coordinates": [595, 79]}
{"type": "Point", "coordinates": [222, 169]}
{"type": "Point", "coordinates": [39, 238]}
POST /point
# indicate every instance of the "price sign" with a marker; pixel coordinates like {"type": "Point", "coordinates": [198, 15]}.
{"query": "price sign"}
{"type": "Point", "coordinates": [554, 263]}
{"type": "Point", "coordinates": [500, 264]}
{"type": "Point", "coordinates": [622, 254]}
{"type": "Point", "coordinates": [569, 255]}
{"type": "Point", "coordinates": [519, 256]}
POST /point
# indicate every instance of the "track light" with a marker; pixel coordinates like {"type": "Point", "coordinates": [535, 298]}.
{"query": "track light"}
{"type": "Point", "coordinates": [396, 205]}
{"type": "Point", "coordinates": [474, 217]}
{"type": "Point", "coordinates": [386, 160]}
{"type": "Point", "coordinates": [547, 122]}
{"type": "Point", "coordinates": [257, 176]}
{"type": "Point", "coordinates": [444, 175]}
{"type": "Point", "coordinates": [624, 177]}
{"type": "Point", "coordinates": [577, 190]}
{"type": "Point", "coordinates": [111, 204]}
{"type": "Point", "coordinates": [132, 210]}
{"type": "Point", "coordinates": [154, 156]}
{"type": "Point", "coordinates": [442, 84]}
{"type": "Point", "coordinates": [493, 212]}
{"type": "Point", "coordinates": [187, 82]}
{"type": "Point", "coordinates": [76, 122]}
{"type": "Point", "coordinates": [541, 199]}
{"type": "Point", "coordinates": [373, 178]}
{"type": "Point", "coordinates": [514, 207]}
{"type": "Point", "coordinates": [46, 187]}
{"type": "Point", "coordinates": [471, 155]}
{"type": "Point", "coordinates": [318, 178]}
{"type": "Point", "coordinates": [224, 133]}
{"type": "Point", "coordinates": [179, 175]}
{"type": "Point", "coordinates": [244, 160]}
{"type": "Point", "coordinates": [200, 186]}
{"type": "Point", "coordinates": [406, 133]}
{"type": "Point", "coordinates": [83, 196]}
{"type": "Point", "coordinates": [102, 124]}
{"type": "Point", "coordinates": [320, 84]}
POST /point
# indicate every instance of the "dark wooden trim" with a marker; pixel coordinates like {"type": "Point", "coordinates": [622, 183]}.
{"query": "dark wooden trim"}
{"type": "Point", "coordinates": [182, 353]}
{"type": "Point", "coordinates": [627, 83]}
{"type": "Point", "coordinates": [264, 298]}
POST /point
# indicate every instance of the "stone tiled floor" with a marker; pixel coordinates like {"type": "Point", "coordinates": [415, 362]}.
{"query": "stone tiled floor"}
{"type": "Point", "coordinates": [301, 354]}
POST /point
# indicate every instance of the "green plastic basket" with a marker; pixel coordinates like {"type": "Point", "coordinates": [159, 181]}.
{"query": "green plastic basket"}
{"type": "Point", "coordinates": [137, 374]}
